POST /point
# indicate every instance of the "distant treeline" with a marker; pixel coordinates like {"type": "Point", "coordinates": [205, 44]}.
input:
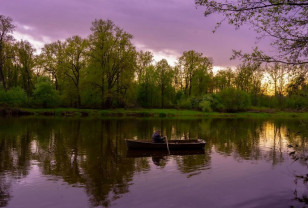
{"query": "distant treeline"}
{"type": "Point", "coordinates": [105, 71]}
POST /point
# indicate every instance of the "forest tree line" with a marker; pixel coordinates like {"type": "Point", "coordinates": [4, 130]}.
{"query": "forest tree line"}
{"type": "Point", "coordinates": [106, 71]}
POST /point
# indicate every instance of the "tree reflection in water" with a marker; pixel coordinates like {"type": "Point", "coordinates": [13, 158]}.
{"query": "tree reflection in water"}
{"type": "Point", "coordinates": [91, 153]}
{"type": "Point", "coordinates": [4, 191]}
{"type": "Point", "coordinates": [14, 155]}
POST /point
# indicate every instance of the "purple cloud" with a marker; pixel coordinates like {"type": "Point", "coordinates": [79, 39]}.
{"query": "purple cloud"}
{"type": "Point", "coordinates": [161, 25]}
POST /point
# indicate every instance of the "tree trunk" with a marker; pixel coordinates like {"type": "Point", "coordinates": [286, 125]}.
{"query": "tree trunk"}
{"type": "Point", "coordinates": [108, 99]}
{"type": "Point", "coordinates": [162, 97]}
{"type": "Point", "coordinates": [118, 90]}
{"type": "Point", "coordinates": [56, 81]}
{"type": "Point", "coordinates": [103, 93]}
{"type": "Point", "coordinates": [275, 85]}
{"type": "Point", "coordinates": [189, 93]}
{"type": "Point", "coordinates": [78, 98]}
{"type": "Point", "coordinates": [186, 85]}
{"type": "Point", "coordinates": [108, 102]}
{"type": "Point", "coordinates": [2, 78]}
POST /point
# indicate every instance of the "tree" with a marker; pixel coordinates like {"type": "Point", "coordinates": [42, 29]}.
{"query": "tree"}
{"type": "Point", "coordinates": [297, 91]}
{"type": "Point", "coordinates": [224, 79]}
{"type": "Point", "coordinates": [297, 84]}
{"type": "Point", "coordinates": [248, 79]}
{"type": "Point", "coordinates": [144, 60]}
{"type": "Point", "coordinates": [51, 60]}
{"type": "Point", "coordinates": [284, 21]}
{"type": "Point", "coordinates": [178, 78]}
{"type": "Point", "coordinates": [147, 89]}
{"type": "Point", "coordinates": [246, 75]}
{"type": "Point", "coordinates": [26, 63]}
{"type": "Point", "coordinates": [201, 82]}
{"type": "Point", "coordinates": [11, 70]}
{"type": "Point", "coordinates": [164, 79]}
{"type": "Point", "coordinates": [277, 73]}
{"type": "Point", "coordinates": [6, 28]}
{"type": "Point", "coordinates": [114, 56]}
{"type": "Point", "coordinates": [75, 62]}
{"type": "Point", "coordinates": [190, 62]}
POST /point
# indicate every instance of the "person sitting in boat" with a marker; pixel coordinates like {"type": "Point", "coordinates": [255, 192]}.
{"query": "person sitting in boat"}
{"type": "Point", "coordinates": [158, 138]}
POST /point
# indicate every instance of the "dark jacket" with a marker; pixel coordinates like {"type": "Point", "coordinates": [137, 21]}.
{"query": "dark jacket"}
{"type": "Point", "coordinates": [156, 138]}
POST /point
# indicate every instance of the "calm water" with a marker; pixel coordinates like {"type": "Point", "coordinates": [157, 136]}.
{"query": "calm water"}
{"type": "Point", "coordinates": [85, 163]}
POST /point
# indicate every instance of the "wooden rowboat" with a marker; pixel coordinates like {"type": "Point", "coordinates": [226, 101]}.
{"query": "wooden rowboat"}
{"type": "Point", "coordinates": [173, 144]}
{"type": "Point", "coordinates": [136, 153]}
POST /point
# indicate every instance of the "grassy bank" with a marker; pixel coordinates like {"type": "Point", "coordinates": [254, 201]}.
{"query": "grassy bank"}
{"type": "Point", "coordinates": [73, 112]}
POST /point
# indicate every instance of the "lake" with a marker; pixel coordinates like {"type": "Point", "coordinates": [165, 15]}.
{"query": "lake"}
{"type": "Point", "coordinates": [69, 162]}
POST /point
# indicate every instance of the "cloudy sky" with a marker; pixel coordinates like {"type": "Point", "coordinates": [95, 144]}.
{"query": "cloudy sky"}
{"type": "Point", "coordinates": [165, 27]}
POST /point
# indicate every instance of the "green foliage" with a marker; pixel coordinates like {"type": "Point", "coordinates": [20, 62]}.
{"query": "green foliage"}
{"type": "Point", "coordinates": [89, 98]}
{"type": "Point", "coordinates": [25, 55]}
{"type": "Point", "coordinates": [45, 94]}
{"type": "Point", "coordinates": [105, 71]}
{"type": "Point", "coordinates": [148, 95]}
{"type": "Point", "coordinates": [179, 95]}
{"type": "Point", "coordinates": [195, 70]}
{"type": "Point", "coordinates": [184, 104]}
{"type": "Point", "coordinates": [142, 96]}
{"type": "Point", "coordinates": [205, 106]}
{"type": "Point", "coordinates": [14, 97]}
{"type": "Point", "coordinates": [114, 57]}
{"type": "Point", "coordinates": [234, 100]}
{"type": "Point", "coordinates": [197, 103]}
{"type": "Point", "coordinates": [194, 102]}
{"type": "Point", "coordinates": [215, 102]}
{"type": "Point", "coordinates": [164, 80]}
{"type": "Point", "coordinates": [207, 103]}
{"type": "Point", "coordinates": [189, 103]}
{"type": "Point", "coordinates": [297, 102]}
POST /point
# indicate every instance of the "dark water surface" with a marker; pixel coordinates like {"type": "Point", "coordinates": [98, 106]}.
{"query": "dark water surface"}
{"type": "Point", "coordinates": [49, 162]}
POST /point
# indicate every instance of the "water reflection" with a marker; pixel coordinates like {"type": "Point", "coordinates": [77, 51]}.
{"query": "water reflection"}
{"type": "Point", "coordinates": [91, 153]}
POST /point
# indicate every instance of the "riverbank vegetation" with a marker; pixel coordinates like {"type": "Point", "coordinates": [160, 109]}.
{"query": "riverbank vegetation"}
{"type": "Point", "coordinates": [261, 113]}
{"type": "Point", "coordinates": [105, 71]}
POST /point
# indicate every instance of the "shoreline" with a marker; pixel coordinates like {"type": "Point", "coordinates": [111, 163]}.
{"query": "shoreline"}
{"type": "Point", "coordinates": [131, 113]}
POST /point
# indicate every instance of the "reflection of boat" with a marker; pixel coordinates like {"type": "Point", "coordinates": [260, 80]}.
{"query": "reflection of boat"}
{"type": "Point", "coordinates": [173, 144]}
{"type": "Point", "coordinates": [133, 153]}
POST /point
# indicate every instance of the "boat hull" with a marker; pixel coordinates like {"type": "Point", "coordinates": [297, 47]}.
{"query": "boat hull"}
{"type": "Point", "coordinates": [173, 145]}
{"type": "Point", "coordinates": [136, 153]}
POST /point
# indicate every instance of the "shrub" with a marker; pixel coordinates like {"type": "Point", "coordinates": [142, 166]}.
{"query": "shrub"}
{"type": "Point", "coordinates": [184, 104]}
{"type": "Point", "coordinates": [297, 102]}
{"type": "Point", "coordinates": [14, 97]}
{"type": "Point", "coordinates": [215, 103]}
{"type": "Point", "coordinates": [205, 106]}
{"type": "Point", "coordinates": [194, 102]}
{"type": "Point", "coordinates": [89, 98]}
{"type": "Point", "coordinates": [162, 115]}
{"type": "Point", "coordinates": [190, 103]}
{"type": "Point", "coordinates": [207, 103]}
{"type": "Point", "coordinates": [44, 94]}
{"type": "Point", "coordinates": [178, 96]}
{"type": "Point", "coordinates": [234, 100]}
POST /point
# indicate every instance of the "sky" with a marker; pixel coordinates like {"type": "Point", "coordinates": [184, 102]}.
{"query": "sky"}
{"type": "Point", "coordinates": [165, 27]}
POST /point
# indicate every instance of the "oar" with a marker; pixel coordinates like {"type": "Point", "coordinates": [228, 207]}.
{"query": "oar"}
{"type": "Point", "coordinates": [167, 145]}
